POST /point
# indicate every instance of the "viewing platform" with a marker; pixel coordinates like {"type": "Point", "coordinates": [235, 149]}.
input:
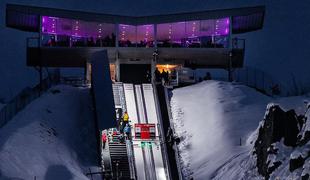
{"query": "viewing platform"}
{"type": "Point", "coordinates": [78, 56]}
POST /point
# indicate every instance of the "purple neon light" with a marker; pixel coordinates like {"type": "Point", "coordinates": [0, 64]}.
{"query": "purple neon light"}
{"type": "Point", "coordinates": [145, 33]}
{"type": "Point", "coordinates": [193, 29]}
{"type": "Point", "coordinates": [127, 32]}
{"type": "Point", "coordinates": [76, 28]}
{"type": "Point", "coordinates": [169, 31]}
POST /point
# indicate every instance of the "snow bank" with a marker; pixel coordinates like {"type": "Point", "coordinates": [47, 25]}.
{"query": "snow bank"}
{"type": "Point", "coordinates": [211, 117]}
{"type": "Point", "coordinates": [52, 138]}
{"type": "Point", "coordinates": [287, 161]}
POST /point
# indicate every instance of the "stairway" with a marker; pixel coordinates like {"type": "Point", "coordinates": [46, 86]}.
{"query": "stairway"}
{"type": "Point", "coordinates": [118, 95]}
{"type": "Point", "coordinates": [119, 158]}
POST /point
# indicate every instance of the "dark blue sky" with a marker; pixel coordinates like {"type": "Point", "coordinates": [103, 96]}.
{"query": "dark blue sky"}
{"type": "Point", "coordinates": [138, 7]}
{"type": "Point", "coordinates": [281, 48]}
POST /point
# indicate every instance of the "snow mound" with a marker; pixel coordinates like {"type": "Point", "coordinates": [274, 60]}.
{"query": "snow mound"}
{"type": "Point", "coordinates": [281, 159]}
{"type": "Point", "coordinates": [52, 138]}
{"type": "Point", "coordinates": [212, 118]}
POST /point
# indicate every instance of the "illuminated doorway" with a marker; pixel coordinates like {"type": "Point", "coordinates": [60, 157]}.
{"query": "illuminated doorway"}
{"type": "Point", "coordinates": [89, 69]}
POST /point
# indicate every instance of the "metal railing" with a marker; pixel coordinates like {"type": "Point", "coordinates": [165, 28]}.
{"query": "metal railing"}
{"type": "Point", "coordinates": [33, 42]}
{"type": "Point", "coordinates": [259, 80]}
{"type": "Point", "coordinates": [238, 43]}
{"type": "Point", "coordinates": [177, 151]}
{"type": "Point", "coordinates": [26, 96]}
{"type": "Point", "coordinates": [161, 135]}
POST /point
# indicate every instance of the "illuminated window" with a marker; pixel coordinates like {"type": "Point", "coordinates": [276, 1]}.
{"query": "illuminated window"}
{"type": "Point", "coordinates": [84, 32]}
{"type": "Point", "coordinates": [145, 35]}
{"type": "Point", "coordinates": [166, 67]}
{"type": "Point", "coordinates": [127, 35]}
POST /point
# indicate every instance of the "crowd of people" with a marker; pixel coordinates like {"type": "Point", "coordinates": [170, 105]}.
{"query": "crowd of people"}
{"type": "Point", "coordinates": [124, 128]}
{"type": "Point", "coordinates": [68, 41]}
{"type": "Point", "coordinates": [123, 131]}
{"type": "Point", "coordinates": [162, 76]}
{"type": "Point", "coordinates": [109, 41]}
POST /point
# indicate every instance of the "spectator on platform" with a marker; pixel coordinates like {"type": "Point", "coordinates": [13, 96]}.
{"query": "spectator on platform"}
{"type": "Point", "coordinates": [157, 75]}
{"type": "Point", "coordinates": [207, 76]}
{"type": "Point", "coordinates": [148, 76]}
{"type": "Point", "coordinates": [51, 41]}
{"type": "Point", "coordinates": [165, 76]}
{"type": "Point", "coordinates": [90, 42]}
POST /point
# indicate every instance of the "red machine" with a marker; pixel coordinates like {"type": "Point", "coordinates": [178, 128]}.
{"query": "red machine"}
{"type": "Point", "coordinates": [145, 131]}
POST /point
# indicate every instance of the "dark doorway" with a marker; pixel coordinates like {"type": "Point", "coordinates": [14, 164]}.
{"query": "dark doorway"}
{"type": "Point", "coordinates": [135, 73]}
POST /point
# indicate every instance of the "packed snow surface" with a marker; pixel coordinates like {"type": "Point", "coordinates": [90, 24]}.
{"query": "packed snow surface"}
{"type": "Point", "coordinates": [52, 138]}
{"type": "Point", "coordinates": [212, 119]}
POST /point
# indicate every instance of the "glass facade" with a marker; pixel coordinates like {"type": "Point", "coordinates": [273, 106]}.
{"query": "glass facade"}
{"type": "Point", "coordinates": [213, 33]}
{"type": "Point", "coordinates": [69, 32]}
{"type": "Point", "coordinates": [145, 35]}
{"type": "Point", "coordinates": [127, 35]}
{"type": "Point", "coordinates": [204, 33]}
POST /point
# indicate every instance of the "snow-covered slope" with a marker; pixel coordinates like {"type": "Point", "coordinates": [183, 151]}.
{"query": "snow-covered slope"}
{"type": "Point", "coordinates": [290, 162]}
{"type": "Point", "coordinates": [52, 138]}
{"type": "Point", "coordinates": [211, 117]}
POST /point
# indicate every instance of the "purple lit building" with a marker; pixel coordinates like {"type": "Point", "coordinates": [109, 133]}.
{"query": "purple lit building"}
{"type": "Point", "coordinates": [197, 39]}
{"type": "Point", "coordinates": [201, 33]}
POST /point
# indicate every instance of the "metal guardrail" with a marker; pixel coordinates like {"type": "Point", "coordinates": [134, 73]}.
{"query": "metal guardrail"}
{"type": "Point", "coordinates": [33, 42]}
{"type": "Point", "coordinates": [238, 43]}
{"type": "Point", "coordinates": [259, 80]}
{"type": "Point", "coordinates": [177, 155]}
{"type": "Point", "coordinates": [161, 134]}
{"type": "Point", "coordinates": [25, 97]}
{"type": "Point", "coordinates": [131, 159]}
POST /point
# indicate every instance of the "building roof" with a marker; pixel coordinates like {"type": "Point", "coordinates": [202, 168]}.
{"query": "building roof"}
{"type": "Point", "coordinates": [26, 18]}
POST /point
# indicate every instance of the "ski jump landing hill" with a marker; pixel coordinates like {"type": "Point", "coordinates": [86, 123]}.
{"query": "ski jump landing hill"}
{"type": "Point", "coordinates": [146, 155]}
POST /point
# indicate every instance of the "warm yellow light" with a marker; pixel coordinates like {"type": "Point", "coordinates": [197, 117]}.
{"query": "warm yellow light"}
{"type": "Point", "coordinates": [166, 67]}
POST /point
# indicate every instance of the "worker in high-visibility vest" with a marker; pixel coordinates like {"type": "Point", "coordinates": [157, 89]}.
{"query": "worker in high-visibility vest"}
{"type": "Point", "coordinates": [125, 120]}
{"type": "Point", "coordinates": [125, 117]}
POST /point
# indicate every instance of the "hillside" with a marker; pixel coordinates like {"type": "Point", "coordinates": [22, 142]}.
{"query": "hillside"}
{"type": "Point", "coordinates": [211, 118]}
{"type": "Point", "coordinates": [52, 138]}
